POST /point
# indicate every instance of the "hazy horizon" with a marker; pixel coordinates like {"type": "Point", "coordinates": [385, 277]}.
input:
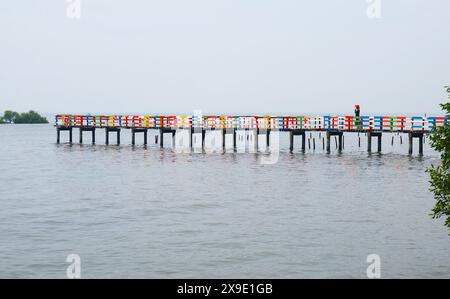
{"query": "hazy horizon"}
{"type": "Point", "coordinates": [224, 57]}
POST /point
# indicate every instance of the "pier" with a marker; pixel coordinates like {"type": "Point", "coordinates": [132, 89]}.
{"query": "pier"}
{"type": "Point", "coordinates": [248, 129]}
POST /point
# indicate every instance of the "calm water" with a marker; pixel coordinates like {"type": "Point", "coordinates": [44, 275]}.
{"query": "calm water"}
{"type": "Point", "coordinates": [147, 212]}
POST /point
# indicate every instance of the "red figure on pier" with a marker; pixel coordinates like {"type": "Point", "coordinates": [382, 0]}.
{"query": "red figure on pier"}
{"type": "Point", "coordinates": [357, 116]}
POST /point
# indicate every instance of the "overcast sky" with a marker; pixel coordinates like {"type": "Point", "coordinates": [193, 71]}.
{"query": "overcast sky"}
{"type": "Point", "coordinates": [224, 56]}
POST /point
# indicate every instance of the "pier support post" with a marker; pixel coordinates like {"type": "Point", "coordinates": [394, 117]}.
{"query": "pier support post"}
{"type": "Point", "coordinates": [161, 138]}
{"type": "Point", "coordinates": [91, 129]}
{"type": "Point", "coordinates": [113, 129]}
{"type": "Point", "coordinates": [411, 136]}
{"type": "Point", "coordinates": [371, 134]}
{"type": "Point", "coordinates": [138, 130]}
{"type": "Point", "coordinates": [183, 140]}
{"type": "Point", "coordinates": [339, 142]}
{"type": "Point", "coordinates": [196, 141]}
{"type": "Point", "coordinates": [58, 133]}
{"type": "Point", "coordinates": [252, 140]}
{"type": "Point", "coordinates": [297, 132]}
{"type": "Point", "coordinates": [266, 133]}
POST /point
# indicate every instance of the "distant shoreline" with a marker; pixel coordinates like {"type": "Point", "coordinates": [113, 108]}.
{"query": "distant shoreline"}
{"type": "Point", "coordinates": [30, 117]}
{"type": "Point", "coordinates": [12, 124]}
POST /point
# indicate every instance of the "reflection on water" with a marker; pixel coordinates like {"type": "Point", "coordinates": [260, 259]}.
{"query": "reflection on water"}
{"type": "Point", "coordinates": [146, 212]}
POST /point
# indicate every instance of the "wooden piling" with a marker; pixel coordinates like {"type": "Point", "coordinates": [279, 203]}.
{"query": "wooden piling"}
{"type": "Point", "coordinates": [223, 139]}
{"type": "Point", "coordinates": [173, 139]}
{"type": "Point", "coordinates": [379, 143]}
{"type": "Point", "coordinates": [421, 145]}
{"type": "Point", "coordinates": [234, 139]}
{"type": "Point", "coordinates": [203, 137]}
{"type": "Point", "coordinates": [303, 142]}
{"type": "Point", "coordinates": [254, 138]}
{"type": "Point", "coordinates": [328, 142]}
{"type": "Point", "coordinates": [410, 139]}
{"type": "Point", "coordinates": [291, 140]}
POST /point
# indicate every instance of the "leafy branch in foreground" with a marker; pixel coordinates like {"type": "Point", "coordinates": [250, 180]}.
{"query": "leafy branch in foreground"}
{"type": "Point", "coordinates": [440, 175]}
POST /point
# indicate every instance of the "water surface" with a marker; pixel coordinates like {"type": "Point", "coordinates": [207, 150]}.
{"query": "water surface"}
{"type": "Point", "coordinates": [150, 212]}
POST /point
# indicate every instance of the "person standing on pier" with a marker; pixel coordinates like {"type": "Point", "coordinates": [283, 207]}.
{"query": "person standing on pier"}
{"type": "Point", "coordinates": [357, 117]}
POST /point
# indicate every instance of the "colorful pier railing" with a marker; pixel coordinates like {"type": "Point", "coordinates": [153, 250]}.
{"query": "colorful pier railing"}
{"type": "Point", "coordinates": [318, 123]}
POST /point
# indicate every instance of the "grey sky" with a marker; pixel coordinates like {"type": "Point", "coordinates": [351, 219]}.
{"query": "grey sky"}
{"type": "Point", "coordinates": [226, 56]}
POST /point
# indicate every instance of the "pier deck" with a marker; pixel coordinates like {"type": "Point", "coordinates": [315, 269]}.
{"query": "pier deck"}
{"type": "Point", "coordinates": [372, 126]}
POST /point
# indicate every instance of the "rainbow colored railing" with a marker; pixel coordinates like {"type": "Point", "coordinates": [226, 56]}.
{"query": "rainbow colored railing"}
{"type": "Point", "coordinates": [318, 123]}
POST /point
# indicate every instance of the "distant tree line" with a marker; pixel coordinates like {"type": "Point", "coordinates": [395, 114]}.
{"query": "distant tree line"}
{"type": "Point", "coordinates": [31, 117]}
